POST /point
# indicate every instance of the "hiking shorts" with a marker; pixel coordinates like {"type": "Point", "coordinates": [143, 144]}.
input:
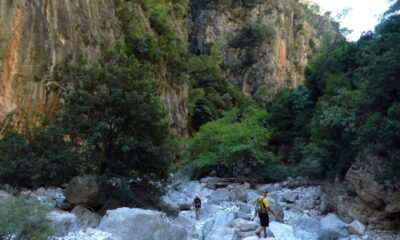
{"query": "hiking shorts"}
{"type": "Point", "coordinates": [264, 219]}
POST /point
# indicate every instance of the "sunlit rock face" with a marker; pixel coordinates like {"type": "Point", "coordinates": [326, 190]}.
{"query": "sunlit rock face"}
{"type": "Point", "coordinates": [34, 36]}
{"type": "Point", "coordinates": [270, 63]}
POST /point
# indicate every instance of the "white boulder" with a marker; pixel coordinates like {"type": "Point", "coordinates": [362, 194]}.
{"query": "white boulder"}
{"type": "Point", "coordinates": [134, 223]}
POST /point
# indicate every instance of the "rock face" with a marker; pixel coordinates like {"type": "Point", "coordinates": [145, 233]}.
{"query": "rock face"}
{"type": "Point", "coordinates": [131, 224]}
{"type": "Point", "coordinates": [36, 35]}
{"type": "Point", "coordinates": [266, 44]}
{"type": "Point", "coordinates": [363, 198]}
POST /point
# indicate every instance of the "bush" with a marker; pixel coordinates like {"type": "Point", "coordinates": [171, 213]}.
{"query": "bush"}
{"type": "Point", "coordinates": [42, 158]}
{"type": "Point", "coordinates": [235, 145]}
{"type": "Point", "coordinates": [25, 219]}
{"type": "Point", "coordinates": [252, 35]}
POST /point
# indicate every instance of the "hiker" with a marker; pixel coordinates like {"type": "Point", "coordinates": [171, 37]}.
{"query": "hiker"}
{"type": "Point", "coordinates": [197, 206]}
{"type": "Point", "coordinates": [262, 208]}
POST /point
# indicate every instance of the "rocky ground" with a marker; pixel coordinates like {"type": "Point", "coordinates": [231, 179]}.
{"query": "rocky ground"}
{"type": "Point", "coordinates": [226, 214]}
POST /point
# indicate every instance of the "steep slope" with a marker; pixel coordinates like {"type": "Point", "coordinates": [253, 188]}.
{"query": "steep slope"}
{"type": "Point", "coordinates": [36, 35]}
{"type": "Point", "coordinates": [267, 43]}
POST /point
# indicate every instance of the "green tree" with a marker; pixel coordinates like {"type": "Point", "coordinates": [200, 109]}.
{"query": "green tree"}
{"type": "Point", "coordinates": [114, 117]}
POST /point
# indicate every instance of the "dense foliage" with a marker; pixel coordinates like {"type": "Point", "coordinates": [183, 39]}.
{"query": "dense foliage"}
{"type": "Point", "coordinates": [25, 219]}
{"type": "Point", "coordinates": [236, 145]}
{"type": "Point", "coordinates": [348, 108]}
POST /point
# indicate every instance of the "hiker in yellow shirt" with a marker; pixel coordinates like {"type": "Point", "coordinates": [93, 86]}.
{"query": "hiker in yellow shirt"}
{"type": "Point", "coordinates": [262, 208]}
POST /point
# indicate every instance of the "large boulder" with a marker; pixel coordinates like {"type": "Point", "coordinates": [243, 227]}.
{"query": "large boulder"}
{"type": "Point", "coordinates": [290, 196]}
{"type": "Point", "coordinates": [189, 225]}
{"type": "Point", "coordinates": [332, 228]}
{"type": "Point", "coordinates": [356, 228]}
{"type": "Point", "coordinates": [83, 190]}
{"type": "Point", "coordinates": [86, 218]}
{"type": "Point", "coordinates": [219, 196]}
{"type": "Point", "coordinates": [178, 200]}
{"type": "Point", "coordinates": [62, 222]}
{"type": "Point", "coordinates": [281, 231]}
{"type": "Point", "coordinates": [134, 223]}
{"type": "Point", "coordinates": [361, 196]}
{"type": "Point", "coordinates": [242, 225]}
{"type": "Point", "coordinates": [277, 209]}
{"type": "Point", "coordinates": [251, 196]}
{"type": "Point", "coordinates": [238, 193]}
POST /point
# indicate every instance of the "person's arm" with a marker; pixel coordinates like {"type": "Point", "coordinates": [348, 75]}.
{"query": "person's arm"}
{"type": "Point", "coordinates": [270, 210]}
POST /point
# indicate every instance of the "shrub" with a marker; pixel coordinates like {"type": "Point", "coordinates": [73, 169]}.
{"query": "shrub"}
{"type": "Point", "coordinates": [25, 219]}
{"type": "Point", "coordinates": [252, 35]}
{"type": "Point", "coordinates": [41, 158]}
{"type": "Point", "coordinates": [233, 145]}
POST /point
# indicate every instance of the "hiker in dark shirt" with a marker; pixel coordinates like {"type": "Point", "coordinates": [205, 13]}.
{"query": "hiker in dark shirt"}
{"type": "Point", "coordinates": [197, 206]}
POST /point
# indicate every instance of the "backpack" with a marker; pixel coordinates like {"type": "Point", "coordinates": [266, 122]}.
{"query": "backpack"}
{"type": "Point", "coordinates": [260, 206]}
{"type": "Point", "coordinates": [197, 203]}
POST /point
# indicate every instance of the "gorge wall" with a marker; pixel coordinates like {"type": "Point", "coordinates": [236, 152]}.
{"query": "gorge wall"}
{"type": "Point", "coordinates": [267, 44]}
{"type": "Point", "coordinates": [36, 35]}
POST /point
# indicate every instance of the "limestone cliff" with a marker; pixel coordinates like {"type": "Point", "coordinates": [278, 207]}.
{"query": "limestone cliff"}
{"type": "Point", "coordinates": [37, 34]}
{"type": "Point", "coordinates": [34, 36]}
{"type": "Point", "coordinates": [263, 64]}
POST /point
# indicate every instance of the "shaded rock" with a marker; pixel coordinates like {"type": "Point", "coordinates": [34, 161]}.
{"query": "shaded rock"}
{"type": "Point", "coordinates": [245, 208]}
{"type": "Point", "coordinates": [62, 222]}
{"type": "Point", "coordinates": [281, 231]}
{"type": "Point", "coordinates": [251, 196]}
{"type": "Point", "coordinates": [268, 188]}
{"type": "Point", "coordinates": [242, 225]}
{"type": "Point", "coordinates": [290, 197]}
{"type": "Point", "coordinates": [133, 223]}
{"type": "Point", "coordinates": [178, 200]}
{"type": "Point", "coordinates": [208, 210]}
{"type": "Point", "coordinates": [238, 194]}
{"type": "Point", "coordinates": [83, 190]}
{"type": "Point", "coordinates": [277, 209]}
{"type": "Point", "coordinates": [189, 225]}
{"type": "Point", "coordinates": [219, 196]}
{"type": "Point", "coordinates": [222, 234]}
{"type": "Point", "coordinates": [86, 218]}
{"type": "Point", "coordinates": [332, 227]}
{"type": "Point", "coordinates": [356, 228]}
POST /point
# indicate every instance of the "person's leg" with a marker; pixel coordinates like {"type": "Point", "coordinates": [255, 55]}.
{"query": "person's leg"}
{"type": "Point", "coordinates": [258, 232]}
{"type": "Point", "coordinates": [265, 232]}
{"type": "Point", "coordinates": [197, 213]}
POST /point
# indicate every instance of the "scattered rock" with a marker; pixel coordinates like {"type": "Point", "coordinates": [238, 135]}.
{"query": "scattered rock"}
{"type": "Point", "coordinates": [332, 227]}
{"type": "Point", "coordinates": [134, 223]}
{"type": "Point", "coordinates": [219, 196]}
{"type": "Point", "coordinates": [83, 190]}
{"type": "Point", "coordinates": [86, 218]}
{"type": "Point", "coordinates": [277, 209]}
{"type": "Point", "coordinates": [242, 225]}
{"type": "Point", "coordinates": [62, 222]}
{"type": "Point", "coordinates": [238, 194]}
{"type": "Point", "coordinates": [290, 197]}
{"type": "Point", "coordinates": [356, 228]}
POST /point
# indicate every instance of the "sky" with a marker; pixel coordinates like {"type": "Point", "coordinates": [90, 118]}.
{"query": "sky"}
{"type": "Point", "coordinates": [364, 14]}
